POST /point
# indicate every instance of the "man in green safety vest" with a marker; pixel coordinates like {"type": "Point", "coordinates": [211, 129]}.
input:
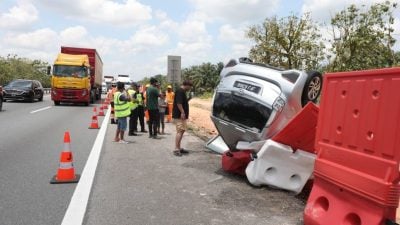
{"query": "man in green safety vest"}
{"type": "Point", "coordinates": [140, 111]}
{"type": "Point", "coordinates": [122, 111]}
{"type": "Point", "coordinates": [133, 105]}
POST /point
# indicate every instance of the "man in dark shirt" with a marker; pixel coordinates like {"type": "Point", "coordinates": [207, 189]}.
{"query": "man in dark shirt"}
{"type": "Point", "coordinates": [152, 95]}
{"type": "Point", "coordinates": [180, 114]}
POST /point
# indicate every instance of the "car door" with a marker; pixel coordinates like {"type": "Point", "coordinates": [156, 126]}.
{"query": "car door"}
{"type": "Point", "coordinates": [36, 89]}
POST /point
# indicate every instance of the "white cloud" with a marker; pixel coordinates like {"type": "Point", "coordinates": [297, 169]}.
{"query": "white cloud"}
{"type": "Point", "coordinates": [324, 10]}
{"type": "Point", "coordinates": [235, 11]}
{"type": "Point", "coordinates": [236, 39]}
{"type": "Point", "coordinates": [130, 12]}
{"type": "Point", "coordinates": [39, 39]}
{"type": "Point", "coordinates": [20, 16]}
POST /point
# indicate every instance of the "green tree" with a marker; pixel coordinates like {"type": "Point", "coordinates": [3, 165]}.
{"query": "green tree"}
{"type": "Point", "coordinates": [289, 42]}
{"type": "Point", "coordinates": [13, 67]}
{"type": "Point", "coordinates": [205, 77]}
{"type": "Point", "coordinates": [363, 37]}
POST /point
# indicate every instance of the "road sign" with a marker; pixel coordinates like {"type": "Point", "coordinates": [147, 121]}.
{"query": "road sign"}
{"type": "Point", "coordinates": [174, 75]}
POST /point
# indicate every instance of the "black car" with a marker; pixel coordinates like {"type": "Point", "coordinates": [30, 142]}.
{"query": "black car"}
{"type": "Point", "coordinates": [26, 90]}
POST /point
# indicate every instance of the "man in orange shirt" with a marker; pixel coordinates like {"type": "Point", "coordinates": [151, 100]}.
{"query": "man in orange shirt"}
{"type": "Point", "coordinates": [110, 96]}
{"type": "Point", "coordinates": [170, 100]}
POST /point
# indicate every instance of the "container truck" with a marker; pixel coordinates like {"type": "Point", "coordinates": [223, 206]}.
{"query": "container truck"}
{"type": "Point", "coordinates": [77, 76]}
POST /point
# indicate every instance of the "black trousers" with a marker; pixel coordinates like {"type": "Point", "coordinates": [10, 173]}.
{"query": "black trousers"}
{"type": "Point", "coordinates": [140, 115]}
{"type": "Point", "coordinates": [153, 121]}
{"type": "Point", "coordinates": [133, 121]}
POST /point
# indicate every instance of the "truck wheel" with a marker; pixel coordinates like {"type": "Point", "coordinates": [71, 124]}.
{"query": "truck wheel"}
{"type": "Point", "coordinates": [56, 102]}
{"type": "Point", "coordinates": [312, 88]}
{"type": "Point", "coordinates": [86, 103]}
{"type": "Point", "coordinates": [1, 104]}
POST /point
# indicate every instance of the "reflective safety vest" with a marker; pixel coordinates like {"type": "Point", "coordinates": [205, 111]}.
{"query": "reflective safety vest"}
{"type": "Point", "coordinates": [170, 97]}
{"type": "Point", "coordinates": [139, 98]}
{"type": "Point", "coordinates": [133, 103]}
{"type": "Point", "coordinates": [121, 108]}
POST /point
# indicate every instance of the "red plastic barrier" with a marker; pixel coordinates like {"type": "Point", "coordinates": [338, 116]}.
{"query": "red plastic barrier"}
{"type": "Point", "coordinates": [358, 133]}
{"type": "Point", "coordinates": [236, 162]}
{"type": "Point", "coordinates": [358, 148]}
{"type": "Point", "coordinates": [300, 132]}
{"type": "Point", "coordinates": [330, 205]}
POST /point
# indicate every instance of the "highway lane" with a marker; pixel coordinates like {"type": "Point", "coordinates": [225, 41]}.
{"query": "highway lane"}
{"type": "Point", "coordinates": [31, 139]}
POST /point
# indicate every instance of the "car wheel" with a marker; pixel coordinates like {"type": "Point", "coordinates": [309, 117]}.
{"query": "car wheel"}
{"type": "Point", "coordinates": [56, 102]}
{"type": "Point", "coordinates": [1, 104]}
{"type": "Point", "coordinates": [41, 98]}
{"type": "Point", "coordinates": [312, 88]}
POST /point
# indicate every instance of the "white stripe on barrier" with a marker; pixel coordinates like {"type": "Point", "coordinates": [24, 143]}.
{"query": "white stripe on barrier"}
{"type": "Point", "coordinates": [77, 207]}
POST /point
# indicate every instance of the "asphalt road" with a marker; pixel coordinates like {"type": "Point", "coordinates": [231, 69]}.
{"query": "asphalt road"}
{"type": "Point", "coordinates": [30, 146]}
{"type": "Point", "coordinates": [143, 183]}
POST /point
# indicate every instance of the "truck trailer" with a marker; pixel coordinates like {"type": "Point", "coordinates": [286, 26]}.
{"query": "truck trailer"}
{"type": "Point", "coordinates": [77, 76]}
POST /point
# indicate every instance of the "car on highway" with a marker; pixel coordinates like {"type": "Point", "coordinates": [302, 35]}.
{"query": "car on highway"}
{"type": "Point", "coordinates": [25, 90]}
{"type": "Point", "coordinates": [1, 98]}
{"type": "Point", "coordinates": [253, 101]}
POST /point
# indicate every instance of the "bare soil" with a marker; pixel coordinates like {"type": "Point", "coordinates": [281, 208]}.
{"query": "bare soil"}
{"type": "Point", "coordinates": [199, 118]}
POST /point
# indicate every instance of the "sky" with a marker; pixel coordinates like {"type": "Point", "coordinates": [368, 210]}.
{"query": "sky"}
{"type": "Point", "coordinates": [135, 36]}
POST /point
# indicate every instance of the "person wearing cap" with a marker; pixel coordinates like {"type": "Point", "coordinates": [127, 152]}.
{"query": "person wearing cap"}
{"type": "Point", "coordinates": [122, 111]}
{"type": "Point", "coordinates": [170, 100]}
{"type": "Point", "coordinates": [180, 114]}
{"type": "Point", "coordinates": [152, 94]}
{"type": "Point", "coordinates": [133, 105]}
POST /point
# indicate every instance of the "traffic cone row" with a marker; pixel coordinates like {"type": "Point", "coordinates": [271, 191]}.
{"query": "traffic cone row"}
{"type": "Point", "coordinates": [94, 124]}
{"type": "Point", "coordinates": [66, 171]}
{"type": "Point", "coordinates": [101, 112]}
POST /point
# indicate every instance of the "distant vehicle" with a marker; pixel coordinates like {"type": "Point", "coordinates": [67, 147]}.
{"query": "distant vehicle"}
{"type": "Point", "coordinates": [1, 98]}
{"type": "Point", "coordinates": [255, 101]}
{"type": "Point", "coordinates": [104, 88]}
{"type": "Point", "coordinates": [124, 79]}
{"type": "Point", "coordinates": [26, 90]}
{"type": "Point", "coordinates": [77, 76]}
{"type": "Point", "coordinates": [108, 80]}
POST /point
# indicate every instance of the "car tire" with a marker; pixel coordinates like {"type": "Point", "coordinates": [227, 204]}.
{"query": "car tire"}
{"type": "Point", "coordinates": [312, 88]}
{"type": "Point", "coordinates": [41, 98]}
{"type": "Point", "coordinates": [56, 102]}
{"type": "Point", "coordinates": [1, 104]}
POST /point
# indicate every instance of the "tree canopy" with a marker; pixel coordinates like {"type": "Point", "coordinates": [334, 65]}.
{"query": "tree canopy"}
{"type": "Point", "coordinates": [363, 38]}
{"type": "Point", "coordinates": [14, 67]}
{"type": "Point", "coordinates": [289, 42]}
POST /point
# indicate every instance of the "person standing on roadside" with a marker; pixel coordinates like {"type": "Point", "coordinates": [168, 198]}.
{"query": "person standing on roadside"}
{"type": "Point", "coordinates": [110, 96]}
{"type": "Point", "coordinates": [133, 104]}
{"type": "Point", "coordinates": [140, 111]}
{"type": "Point", "coordinates": [170, 100]}
{"type": "Point", "coordinates": [180, 114]}
{"type": "Point", "coordinates": [152, 94]}
{"type": "Point", "coordinates": [122, 111]}
{"type": "Point", "coordinates": [162, 106]}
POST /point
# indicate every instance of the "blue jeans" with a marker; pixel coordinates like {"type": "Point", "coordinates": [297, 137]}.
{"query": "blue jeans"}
{"type": "Point", "coordinates": [122, 123]}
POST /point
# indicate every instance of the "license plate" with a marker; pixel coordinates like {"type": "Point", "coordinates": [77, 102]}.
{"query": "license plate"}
{"type": "Point", "coordinates": [247, 87]}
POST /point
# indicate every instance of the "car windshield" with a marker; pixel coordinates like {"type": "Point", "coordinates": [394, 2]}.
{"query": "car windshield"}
{"type": "Point", "coordinates": [69, 71]}
{"type": "Point", "coordinates": [240, 111]}
{"type": "Point", "coordinates": [20, 84]}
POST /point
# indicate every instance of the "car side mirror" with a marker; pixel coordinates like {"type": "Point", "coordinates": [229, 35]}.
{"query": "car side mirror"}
{"type": "Point", "coordinates": [48, 70]}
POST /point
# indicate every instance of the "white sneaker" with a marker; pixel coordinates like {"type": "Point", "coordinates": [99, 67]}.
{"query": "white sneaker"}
{"type": "Point", "coordinates": [123, 142]}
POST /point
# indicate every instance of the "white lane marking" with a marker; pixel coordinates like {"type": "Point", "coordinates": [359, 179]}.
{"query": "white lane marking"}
{"type": "Point", "coordinates": [41, 109]}
{"type": "Point", "coordinates": [77, 207]}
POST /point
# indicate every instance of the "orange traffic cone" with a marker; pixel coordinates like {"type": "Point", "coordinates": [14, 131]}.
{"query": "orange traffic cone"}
{"type": "Point", "coordinates": [66, 171]}
{"type": "Point", "coordinates": [101, 112]}
{"type": "Point", "coordinates": [94, 124]}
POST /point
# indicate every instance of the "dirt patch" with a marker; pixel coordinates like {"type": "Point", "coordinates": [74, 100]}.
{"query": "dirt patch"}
{"type": "Point", "coordinates": [199, 118]}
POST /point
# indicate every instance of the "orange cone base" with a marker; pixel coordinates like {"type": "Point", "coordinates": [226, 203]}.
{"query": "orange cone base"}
{"type": "Point", "coordinates": [101, 113]}
{"type": "Point", "coordinates": [98, 127]}
{"type": "Point", "coordinates": [55, 181]}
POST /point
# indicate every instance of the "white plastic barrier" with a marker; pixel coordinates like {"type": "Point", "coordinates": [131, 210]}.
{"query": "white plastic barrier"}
{"type": "Point", "coordinates": [255, 145]}
{"type": "Point", "coordinates": [276, 165]}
